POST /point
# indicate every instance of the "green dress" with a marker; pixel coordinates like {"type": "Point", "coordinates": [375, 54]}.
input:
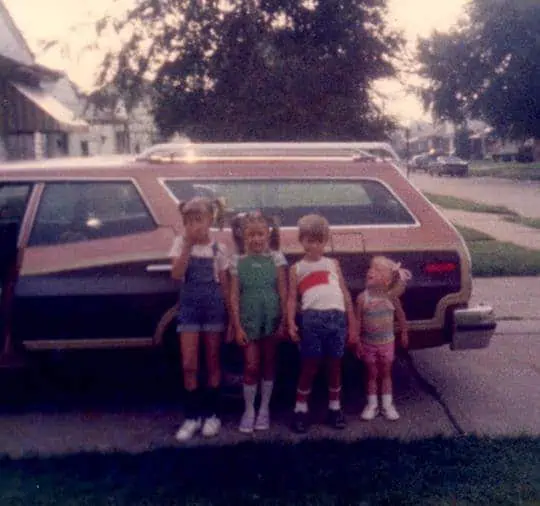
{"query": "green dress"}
{"type": "Point", "coordinates": [260, 310]}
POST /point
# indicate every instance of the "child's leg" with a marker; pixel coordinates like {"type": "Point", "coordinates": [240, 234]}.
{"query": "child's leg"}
{"type": "Point", "coordinates": [334, 383]}
{"type": "Point", "coordinates": [189, 344]}
{"type": "Point", "coordinates": [385, 368]}
{"type": "Point", "coordinates": [212, 346]}
{"type": "Point", "coordinates": [269, 350]}
{"type": "Point", "coordinates": [252, 360]}
{"type": "Point", "coordinates": [386, 360]}
{"type": "Point", "coordinates": [268, 357]}
{"type": "Point", "coordinates": [308, 370]}
{"type": "Point", "coordinates": [372, 373]}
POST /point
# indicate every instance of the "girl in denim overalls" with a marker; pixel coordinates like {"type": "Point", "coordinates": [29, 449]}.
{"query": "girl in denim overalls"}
{"type": "Point", "coordinates": [201, 263]}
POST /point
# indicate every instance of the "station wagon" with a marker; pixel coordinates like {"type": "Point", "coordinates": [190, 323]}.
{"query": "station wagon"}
{"type": "Point", "coordinates": [90, 241]}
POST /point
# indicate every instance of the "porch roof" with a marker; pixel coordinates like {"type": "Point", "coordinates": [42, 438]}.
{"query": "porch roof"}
{"type": "Point", "coordinates": [31, 109]}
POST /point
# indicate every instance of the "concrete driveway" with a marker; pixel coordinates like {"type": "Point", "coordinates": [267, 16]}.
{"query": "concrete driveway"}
{"type": "Point", "coordinates": [493, 391]}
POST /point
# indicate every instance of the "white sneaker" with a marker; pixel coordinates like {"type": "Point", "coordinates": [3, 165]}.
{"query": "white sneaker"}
{"type": "Point", "coordinates": [188, 429]}
{"type": "Point", "coordinates": [211, 426]}
{"type": "Point", "coordinates": [370, 412]}
{"type": "Point", "coordinates": [390, 412]}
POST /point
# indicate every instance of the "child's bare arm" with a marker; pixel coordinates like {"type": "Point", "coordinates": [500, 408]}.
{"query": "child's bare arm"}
{"type": "Point", "coordinates": [225, 284]}
{"type": "Point", "coordinates": [359, 319]}
{"type": "Point", "coordinates": [180, 262]}
{"type": "Point", "coordinates": [291, 305]}
{"type": "Point", "coordinates": [402, 321]}
{"type": "Point", "coordinates": [239, 332]}
{"type": "Point", "coordinates": [283, 300]}
{"type": "Point", "coordinates": [349, 308]}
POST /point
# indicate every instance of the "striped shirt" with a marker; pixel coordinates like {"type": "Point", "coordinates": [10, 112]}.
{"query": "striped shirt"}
{"type": "Point", "coordinates": [318, 285]}
{"type": "Point", "coordinates": [377, 319]}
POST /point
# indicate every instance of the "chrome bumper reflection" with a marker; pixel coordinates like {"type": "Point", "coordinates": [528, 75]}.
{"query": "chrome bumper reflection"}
{"type": "Point", "coordinates": [473, 328]}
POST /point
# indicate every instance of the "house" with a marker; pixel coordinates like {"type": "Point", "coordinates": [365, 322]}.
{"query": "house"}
{"type": "Point", "coordinates": [33, 124]}
{"type": "Point", "coordinates": [44, 115]}
{"type": "Point", "coordinates": [112, 129]}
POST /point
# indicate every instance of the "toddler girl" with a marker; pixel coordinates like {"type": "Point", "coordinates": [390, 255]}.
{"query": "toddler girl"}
{"type": "Point", "coordinates": [376, 308]}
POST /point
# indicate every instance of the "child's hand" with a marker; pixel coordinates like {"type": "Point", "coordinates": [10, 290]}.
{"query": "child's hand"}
{"type": "Point", "coordinates": [293, 331]}
{"type": "Point", "coordinates": [281, 332]}
{"type": "Point", "coordinates": [404, 339]}
{"type": "Point", "coordinates": [241, 337]}
{"type": "Point", "coordinates": [229, 335]}
{"type": "Point", "coordinates": [352, 338]}
{"type": "Point", "coordinates": [359, 350]}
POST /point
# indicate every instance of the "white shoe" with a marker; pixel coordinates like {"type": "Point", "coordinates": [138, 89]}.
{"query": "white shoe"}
{"type": "Point", "coordinates": [211, 426]}
{"type": "Point", "coordinates": [188, 429]}
{"type": "Point", "coordinates": [246, 422]}
{"type": "Point", "coordinates": [390, 412]}
{"type": "Point", "coordinates": [370, 412]}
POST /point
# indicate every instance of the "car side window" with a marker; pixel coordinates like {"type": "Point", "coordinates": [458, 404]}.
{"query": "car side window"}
{"type": "Point", "coordinates": [13, 197]}
{"type": "Point", "coordinates": [84, 211]}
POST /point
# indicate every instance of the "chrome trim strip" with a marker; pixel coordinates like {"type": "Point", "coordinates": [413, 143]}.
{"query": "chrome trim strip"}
{"type": "Point", "coordinates": [159, 268]}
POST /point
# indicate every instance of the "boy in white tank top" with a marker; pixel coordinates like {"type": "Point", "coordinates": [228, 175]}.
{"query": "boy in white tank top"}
{"type": "Point", "coordinates": [326, 319]}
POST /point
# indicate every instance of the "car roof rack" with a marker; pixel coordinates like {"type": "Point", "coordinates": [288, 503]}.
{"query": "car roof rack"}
{"type": "Point", "coordinates": [170, 152]}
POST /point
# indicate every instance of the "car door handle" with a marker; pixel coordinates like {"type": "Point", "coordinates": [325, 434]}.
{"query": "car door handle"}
{"type": "Point", "coordinates": [158, 267]}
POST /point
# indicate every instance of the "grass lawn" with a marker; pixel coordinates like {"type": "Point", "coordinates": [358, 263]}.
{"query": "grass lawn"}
{"type": "Point", "coordinates": [492, 258]}
{"type": "Point", "coordinates": [510, 170]}
{"type": "Point", "coordinates": [438, 471]}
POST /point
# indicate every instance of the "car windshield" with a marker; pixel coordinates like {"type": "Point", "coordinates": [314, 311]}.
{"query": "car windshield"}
{"type": "Point", "coordinates": [365, 202]}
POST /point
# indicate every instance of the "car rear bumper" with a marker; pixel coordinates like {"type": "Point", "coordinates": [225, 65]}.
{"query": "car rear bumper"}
{"type": "Point", "coordinates": [473, 328]}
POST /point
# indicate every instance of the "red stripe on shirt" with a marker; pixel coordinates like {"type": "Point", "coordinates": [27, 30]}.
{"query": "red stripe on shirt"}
{"type": "Point", "coordinates": [314, 279]}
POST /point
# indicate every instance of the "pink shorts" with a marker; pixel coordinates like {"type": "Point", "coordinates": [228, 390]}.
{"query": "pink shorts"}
{"type": "Point", "coordinates": [374, 353]}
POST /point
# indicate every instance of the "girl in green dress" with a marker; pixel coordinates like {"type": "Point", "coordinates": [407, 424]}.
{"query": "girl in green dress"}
{"type": "Point", "coordinates": [258, 310]}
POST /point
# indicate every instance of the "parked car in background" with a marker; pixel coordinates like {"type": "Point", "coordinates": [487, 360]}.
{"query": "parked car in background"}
{"type": "Point", "coordinates": [448, 166]}
{"type": "Point", "coordinates": [94, 236]}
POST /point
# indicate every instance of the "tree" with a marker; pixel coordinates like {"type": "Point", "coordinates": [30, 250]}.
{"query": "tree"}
{"type": "Point", "coordinates": [256, 69]}
{"type": "Point", "coordinates": [487, 68]}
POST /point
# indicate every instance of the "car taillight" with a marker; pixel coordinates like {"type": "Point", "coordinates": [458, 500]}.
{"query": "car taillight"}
{"type": "Point", "coordinates": [440, 267]}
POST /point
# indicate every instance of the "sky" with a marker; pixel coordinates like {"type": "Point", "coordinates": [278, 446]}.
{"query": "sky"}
{"type": "Point", "coordinates": [71, 21]}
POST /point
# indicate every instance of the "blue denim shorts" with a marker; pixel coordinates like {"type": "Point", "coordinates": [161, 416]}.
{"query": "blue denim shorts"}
{"type": "Point", "coordinates": [323, 334]}
{"type": "Point", "coordinates": [202, 310]}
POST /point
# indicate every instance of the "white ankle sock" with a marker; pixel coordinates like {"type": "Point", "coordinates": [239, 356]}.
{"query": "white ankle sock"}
{"type": "Point", "coordinates": [372, 400]}
{"type": "Point", "coordinates": [386, 400]}
{"type": "Point", "coordinates": [301, 407]}
{"type": "Point", "coordinates": [250, 392]}
{"type": "Point", "coordinates": [334, 405]}
{"type": "Point", "coordinates": [266, 394]}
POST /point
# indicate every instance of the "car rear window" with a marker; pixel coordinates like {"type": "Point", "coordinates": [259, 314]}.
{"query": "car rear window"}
{"type": "Point", "coordinates": [342, 202]}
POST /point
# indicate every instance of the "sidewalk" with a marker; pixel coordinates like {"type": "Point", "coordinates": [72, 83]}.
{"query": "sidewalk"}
{"type": "Point", "coordinates": [495, 226]}
{"type": "Point", "coordinates": [511, 297]}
